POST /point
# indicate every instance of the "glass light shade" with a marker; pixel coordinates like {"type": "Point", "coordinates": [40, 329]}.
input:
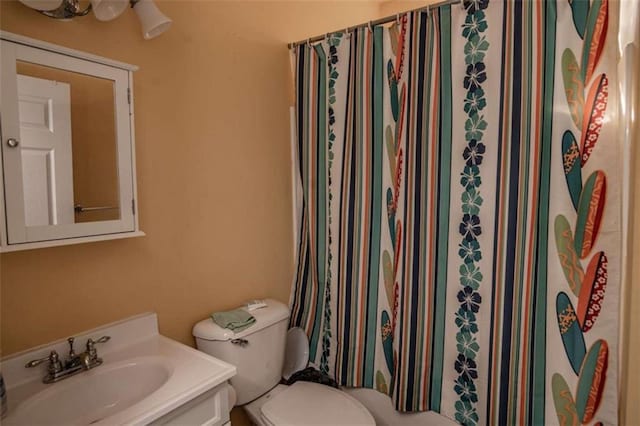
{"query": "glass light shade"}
{"type": "Point", "coordinates": [42, 4]}
{"type": "Point", "coordinates": [152, 20]}
{"type": "Point", "coordinates": [106, 10]}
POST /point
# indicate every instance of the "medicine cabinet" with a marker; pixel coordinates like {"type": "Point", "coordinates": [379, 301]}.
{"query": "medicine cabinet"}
{"type": "Point", "coordinates": [68, 153]}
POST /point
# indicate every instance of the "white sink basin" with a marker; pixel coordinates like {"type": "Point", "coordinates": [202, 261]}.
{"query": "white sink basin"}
{"type": "Point", "coordinates": [144, 377]}
{"type": "Point", "coordinates": [92, 396]}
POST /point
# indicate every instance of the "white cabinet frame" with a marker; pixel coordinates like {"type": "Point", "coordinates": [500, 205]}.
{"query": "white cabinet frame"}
{"type": "Point", "coordinates": [14, 234]}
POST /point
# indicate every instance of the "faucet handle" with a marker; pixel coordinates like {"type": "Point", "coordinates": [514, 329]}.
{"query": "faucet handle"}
{"type": "Point", "coordinates": [91, 342]}
{"type": "Point", "coordinates": [72, 353]}
{"type": "Point", "coordinates": [55, 366]}
{"type": "Point", "coordinates": [103, 339]}
{"type": "Point", "coordinates": [53, 356]}
{"type": "Point", "coordinates": [91, 345]}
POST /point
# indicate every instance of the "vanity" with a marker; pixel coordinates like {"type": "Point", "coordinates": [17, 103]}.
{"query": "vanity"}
{"type": "Point", "coordinates": [144, 378]}
{"type": "Point", "coordinates": [67, 141]}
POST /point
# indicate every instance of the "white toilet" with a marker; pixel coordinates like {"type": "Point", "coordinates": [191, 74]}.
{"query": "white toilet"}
{"type": "Point", "coordinates": [258, 353]}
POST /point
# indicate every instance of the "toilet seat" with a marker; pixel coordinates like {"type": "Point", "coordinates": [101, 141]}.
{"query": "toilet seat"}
{"type": "Point", "coordinates": [305, 403]}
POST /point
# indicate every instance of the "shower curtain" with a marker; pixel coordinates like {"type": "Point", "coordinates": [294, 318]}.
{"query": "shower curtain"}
{"type": "Point", "coordinates": [460, 228]}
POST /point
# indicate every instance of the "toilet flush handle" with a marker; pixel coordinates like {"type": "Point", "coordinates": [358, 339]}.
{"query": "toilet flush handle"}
{"type": "Point", "coordinates": [241, 342]}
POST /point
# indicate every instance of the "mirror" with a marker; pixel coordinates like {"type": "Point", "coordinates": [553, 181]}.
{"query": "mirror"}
{"type": "Point", "coordinates": [67, 146]}
{"type": "Point", "coordinates": [68, 139]}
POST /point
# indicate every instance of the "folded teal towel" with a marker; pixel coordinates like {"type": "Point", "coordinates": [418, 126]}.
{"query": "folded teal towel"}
{"type": "Point", "coordinates": [236, 320]}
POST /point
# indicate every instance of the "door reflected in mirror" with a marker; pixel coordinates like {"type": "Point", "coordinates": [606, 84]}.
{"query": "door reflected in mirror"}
{"type": "Point", "coordinates": [69, 146]}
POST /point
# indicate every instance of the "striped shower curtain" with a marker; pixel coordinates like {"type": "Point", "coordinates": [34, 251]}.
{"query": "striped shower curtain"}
{"type": "Point", "coordinates": [460, 234]}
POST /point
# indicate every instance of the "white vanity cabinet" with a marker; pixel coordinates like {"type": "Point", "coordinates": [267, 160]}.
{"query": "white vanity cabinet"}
{"type": "Point", "coordinates": [209, 409]}
{"type": "Point", "coordinates": [67, 144]}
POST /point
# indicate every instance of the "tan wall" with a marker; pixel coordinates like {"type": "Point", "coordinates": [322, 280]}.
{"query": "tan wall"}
{"type": "Point", "coordinates": [93, 135]}
{"type": "Point", "coordinates": [391, 7]}
{"type": "Point", "coordinates": [212, 128]}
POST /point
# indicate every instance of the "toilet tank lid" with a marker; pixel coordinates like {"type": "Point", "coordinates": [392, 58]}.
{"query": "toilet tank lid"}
{"type": "Point", "coordinates": [274, 312]}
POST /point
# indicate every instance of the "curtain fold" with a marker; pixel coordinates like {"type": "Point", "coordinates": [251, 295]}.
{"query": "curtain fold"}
{"type": "Point", "coordinates": [460, 174]}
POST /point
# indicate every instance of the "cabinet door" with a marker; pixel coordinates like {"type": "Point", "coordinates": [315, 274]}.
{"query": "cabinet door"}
{"type": "Point", "coordinates": [208, 409]}
{"type": "Point", "coordinates": [66, 146]}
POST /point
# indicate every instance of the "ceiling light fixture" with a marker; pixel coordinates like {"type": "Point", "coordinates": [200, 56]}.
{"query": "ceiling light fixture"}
{"type": "Point", "coordinates": [152, 20]}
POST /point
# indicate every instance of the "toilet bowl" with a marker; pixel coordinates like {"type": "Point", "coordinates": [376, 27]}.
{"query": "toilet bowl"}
{"type": "Point", "coordinates": [258, 353]}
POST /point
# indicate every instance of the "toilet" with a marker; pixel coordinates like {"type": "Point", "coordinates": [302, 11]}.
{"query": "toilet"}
{"type": "Point", "coordinates": [258, 353]}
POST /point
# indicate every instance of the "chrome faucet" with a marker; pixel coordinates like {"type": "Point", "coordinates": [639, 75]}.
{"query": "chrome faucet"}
{"type": "Point", "coordinates": [75, 363]}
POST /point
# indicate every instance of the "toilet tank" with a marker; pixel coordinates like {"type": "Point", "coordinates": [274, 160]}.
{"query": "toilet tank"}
{"type": "Point", "coordinates": [257, 352]}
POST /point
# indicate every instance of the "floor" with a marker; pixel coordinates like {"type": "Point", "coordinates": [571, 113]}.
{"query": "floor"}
{"type": "Point", "coordinates": [239, 417]}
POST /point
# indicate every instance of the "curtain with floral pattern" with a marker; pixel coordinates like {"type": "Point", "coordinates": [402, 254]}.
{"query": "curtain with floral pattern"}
{"type": "Point", "coordinates": [460, 233]}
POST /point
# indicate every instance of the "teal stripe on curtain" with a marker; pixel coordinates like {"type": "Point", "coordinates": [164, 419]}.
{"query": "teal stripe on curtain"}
{"type": "Point", "coordinates": [538, 388]}
{"type": "Point", "coordinates": [446, 110]}
{"type": "Point", "coordinates": [321, 213]}
{"type": "Point", "coordinates": [299, 296]}
{"type": "Point", "coordinates": [371, 339]}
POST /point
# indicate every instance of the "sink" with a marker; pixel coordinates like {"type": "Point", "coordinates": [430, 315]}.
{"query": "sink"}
{"type": "Point", "coordinates": [99, 393]}
{"type": "Point", "coordinates": [144, 378]}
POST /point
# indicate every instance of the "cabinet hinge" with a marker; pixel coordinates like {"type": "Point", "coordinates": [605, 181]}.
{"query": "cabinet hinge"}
{"type": "Point", "coordinates": [133, 206]}
{"type": "Point", "coordinates": [129, 96]}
